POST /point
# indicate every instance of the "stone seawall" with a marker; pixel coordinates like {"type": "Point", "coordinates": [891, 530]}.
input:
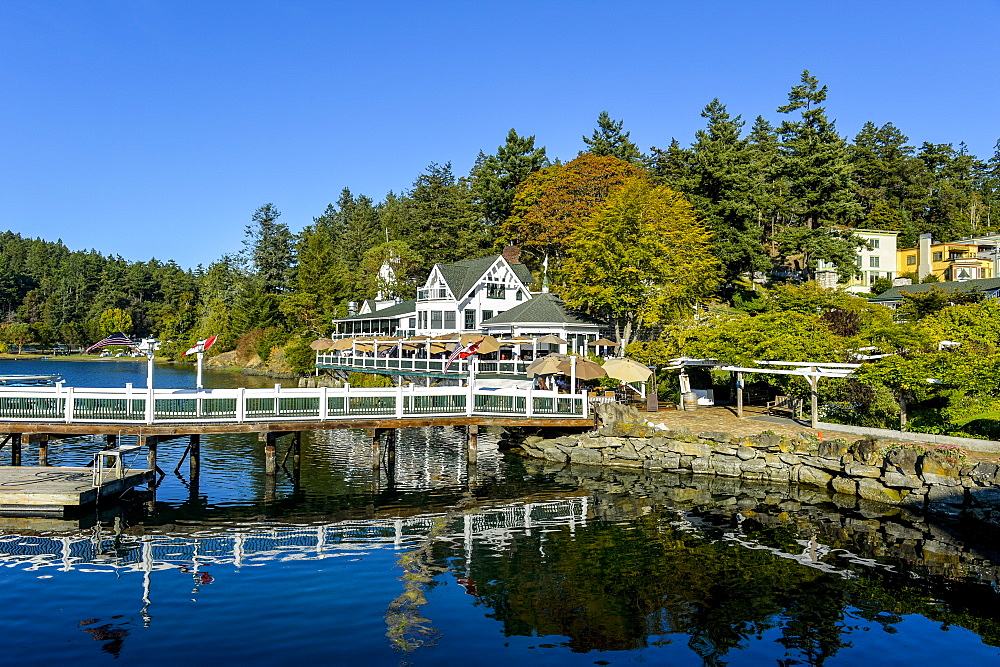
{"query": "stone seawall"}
{"type": "Point", "coordinates": [872, 469]}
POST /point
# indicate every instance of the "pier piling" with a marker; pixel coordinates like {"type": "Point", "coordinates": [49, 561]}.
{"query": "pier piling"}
{"type": "Point", "coordinates": [473, 443]}
{"type": "Point", "coordinates": [194, 458]}
{"type": "Point", "coordinates": [270, 453]}
{"type": "Point", "coordinates": [15, 449]}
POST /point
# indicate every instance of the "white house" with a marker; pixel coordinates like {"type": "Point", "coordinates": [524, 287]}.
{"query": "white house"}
{"type": "Point", "coordinates": [875, 259]}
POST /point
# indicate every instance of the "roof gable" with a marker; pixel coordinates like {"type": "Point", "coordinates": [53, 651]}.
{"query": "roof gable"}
{"type": "Point", "coordinates": [545, 308]}
{"type": "Point", "coordinates": [462, 277]}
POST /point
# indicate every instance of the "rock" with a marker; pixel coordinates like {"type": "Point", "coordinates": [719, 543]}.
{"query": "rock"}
{"type": "Point", "coordinates": [626, 451]}
{"type": "Point", "coordinates": [832, 448]}
{"type": "Point", "coordinates": [790, 459]}
{"type": "Point", "coordinates": [946, 494]}
{"type": "Point", "coordinates": [701, 464]}
{"type": "Point", "coordinates": [905, 460]}
{"type": "Point", "coordinates": [746, 453]}
{"type": "Point", "coordinates": [901, 532]}
{"type": "Point", "coordinates": [866, 450]}
{"type": "Point", "coordinates": [584, 455]}
{"type": "Point", "coordinates": [727, 466]}
{"type": "Point", "coordinates": [599, 442]}
{"type": "Point", "coordinates": [985, 472]}
{"type": "Point", "coordinates": [766, 439]}
{"type": "Point", "coordinates": [941, 480]}
{"type": "Point", "coordinates": [871, 489]}
{"type": "Point", "coordinates": [754, 465]}
{"type": "Point", "coordinates": [553, 453]}
{"type": "Point", "coordinates": [937, 463]}
{"type": "Point", "coordinates": [533, 439]}
{"type": "Point", "coordinates": [715, 436]}
{"type": "Point", "coordinates": [814, 476]}
{"type": "Point", "coordinates": [692, 449]}
{"type": "Point", "coordinates": [833, 465]}
{"type": "Point", "coordinates": [667, 461]}
{"type": "Point", "coordinates": [862, 470]}
{"type": "Point", "coordinates": [902, 481]}
{"type": "Point", "coordinates": [845, 485]}
{"type": "Point", "coordinates": [779, 474]}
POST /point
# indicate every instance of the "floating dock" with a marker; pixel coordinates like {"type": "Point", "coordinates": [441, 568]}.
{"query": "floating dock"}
{"type": "Point", "coordinates": [50, 490]}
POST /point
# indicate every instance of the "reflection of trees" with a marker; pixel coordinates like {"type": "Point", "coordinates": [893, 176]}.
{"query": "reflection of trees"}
{"type": "Point", "coordinates": [623, 585]}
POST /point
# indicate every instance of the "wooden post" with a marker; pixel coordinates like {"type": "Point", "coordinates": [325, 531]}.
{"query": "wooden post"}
{"type": "Point", "coordinates": [375, 435]}
{"type": "Point", "coordinates": [739, 394]}
{"type": "Point", "coordinates": [270, 453]}
{"type": "Point", "coordinates": [194, 458]}
{"type": "Point", "coordinates": [391, 451]}
{"type": "Point", "coordinates": [15, 449]}
{"type": "Point", "coordinates": [112, 441]}
{"type": "Point", "coordinates": [296, 449]}
{"type": "Point", "coordinates": [473, 443]}
{"type": "Point", "coordinates": [149, 442]}
{"type": "Point", "coordinates": [43, 450]}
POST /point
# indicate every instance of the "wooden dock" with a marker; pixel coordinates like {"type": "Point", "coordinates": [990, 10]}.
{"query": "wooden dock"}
{"type": "Point", "coordinates": [50, 490]}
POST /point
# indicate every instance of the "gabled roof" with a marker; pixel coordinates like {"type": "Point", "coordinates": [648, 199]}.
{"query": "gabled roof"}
{"type": "Point", "coordinates": [462, 276]}
{"type": "Point", "coordinates": [544, 308]}
{"type": "Point", "coordinates": [398, 310]}
{"type": "Point", "coordinates": [978, 285]}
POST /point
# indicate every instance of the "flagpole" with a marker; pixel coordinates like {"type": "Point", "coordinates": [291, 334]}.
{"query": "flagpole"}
{"type": "Point", "coordinates": [199, 384]}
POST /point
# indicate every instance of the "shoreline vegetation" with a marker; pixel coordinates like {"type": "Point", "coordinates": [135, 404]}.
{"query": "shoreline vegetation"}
{"type": "Point", "coordinates": [738, 246]}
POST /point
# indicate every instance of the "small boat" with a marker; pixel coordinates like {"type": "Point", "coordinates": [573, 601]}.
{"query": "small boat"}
{"type": "Point", "coordinates": [28, 380]}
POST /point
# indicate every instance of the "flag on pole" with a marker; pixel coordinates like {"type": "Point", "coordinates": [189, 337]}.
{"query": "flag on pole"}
{"type": "Point", "coordinates": [201, 345]}
{"type": "Point", "coordinates": [114, 339]}
{"type": "Point", "coordinates": [463, 352]}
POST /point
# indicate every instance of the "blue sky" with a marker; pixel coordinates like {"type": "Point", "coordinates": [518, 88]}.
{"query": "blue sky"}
{"type": "Point", "coordinates": [155, 128]}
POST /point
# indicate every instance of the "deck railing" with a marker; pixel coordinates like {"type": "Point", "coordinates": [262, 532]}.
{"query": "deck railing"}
{"type": "Point", "coordinates": [71, 405]}
{"type": "Point", "coordinates": [404, 365]}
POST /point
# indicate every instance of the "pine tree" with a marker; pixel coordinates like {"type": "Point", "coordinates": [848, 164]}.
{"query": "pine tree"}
{"type": "Point", "coordinates": [608, 139]}
{"type": "Point", "coordinates": [722, 188]}
{"type": "Point", "coordinates": [268, 250]}
{"type": "Point", "coordinates": [495, 177]}
{"type": "Point", "coordinates": [817, 173]}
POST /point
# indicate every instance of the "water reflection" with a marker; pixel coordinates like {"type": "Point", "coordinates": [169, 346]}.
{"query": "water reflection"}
{"type": "Point", "coordinates": [563, 558]}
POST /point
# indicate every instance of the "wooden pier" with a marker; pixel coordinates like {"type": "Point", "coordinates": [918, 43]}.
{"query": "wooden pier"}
{"type": "Point", "coordinates": [51, 490]}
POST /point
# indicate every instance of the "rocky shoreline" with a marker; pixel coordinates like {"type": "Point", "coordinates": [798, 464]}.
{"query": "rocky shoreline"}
{"type": "Point", "coordinates": [876, 470]}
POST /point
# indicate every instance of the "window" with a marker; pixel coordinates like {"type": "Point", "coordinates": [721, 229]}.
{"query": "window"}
{"type": "Point", "coordinates": [955, 255]}
{"type": "Point", "coordinates": [858, 261]}
{"type": "Point", "coordinates": [435, 319]}
{"type": "Point", "coordinates": [874, 243]}
{"type": "Point", "coordinates": [487, 314]}
{"type": "Point", "coordinates": [937, 257]}
{"type": "Point", "coordinates": [422, 319]}
{"type": "Point", "coordinates": [421, 294]}
{"type": "Point", "coordinates": [494, 291]}
{"type": "Point", "coordinates": [873, 262]}
{"type": "Point", "coordinates": [519, 296]}
{"type": "Point", "coordinates": [413, 323]}
{"type": "Point", "coordinates": [911, 260]}
{"type": "Point", "coordinates": [470, 319]}
{"type": "Point", "coordinates": [442, 293]}
{"type": "Point", "coordinates": [449, 320]}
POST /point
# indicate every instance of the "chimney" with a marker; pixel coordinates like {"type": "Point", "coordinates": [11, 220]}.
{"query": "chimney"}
{"type": "Point", "coordinates": [512, 254]}
{"type": "Point", "coordinates": [352, 308]}
{"type": "Point", "coordinates": [924, 256]}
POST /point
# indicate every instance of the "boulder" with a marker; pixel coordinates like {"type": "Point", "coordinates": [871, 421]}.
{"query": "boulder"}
{"type": "Point", "coordinates": [872, 489]}
{"type": "Point", "coordinates": [901, 481]}
{"type": "Point", "coordinates": [905, 460]}
{"type": "Point", "coordinates": [766, 439]}
{"type": "Point", "coordinates": [727, 466]}
{"type": "Point", "coordinates": [862, 470]}
{"type": "Point", "coordinates": [814, 476]}
{"type": "Point", "coordinates": [584, 455]}
{"type": "Point", "coordinates": [845, 485]}
{"type": "Point", "coordinates": [746, 453]}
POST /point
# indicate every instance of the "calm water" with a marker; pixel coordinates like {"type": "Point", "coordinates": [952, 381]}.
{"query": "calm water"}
{"type": "Point", "coordinates": [512, 561]}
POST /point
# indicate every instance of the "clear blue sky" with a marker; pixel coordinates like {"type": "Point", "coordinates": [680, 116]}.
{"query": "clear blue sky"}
{"type": "Point", "coordinates": [154, 128]}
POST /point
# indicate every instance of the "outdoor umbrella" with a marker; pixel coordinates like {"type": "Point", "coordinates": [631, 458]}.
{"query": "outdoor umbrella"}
{"type": "Point", "coordinates": [342, 344]}
{"type": "Point", "coordinates": [585, 369]}
{"type": "Point", "coordinates": [489, 344]}
{"type": "Point", "coordinates": [553, 339]}
{"type": "Point", "coordinates": [626, 370]}
{"type": "Point", "coordinates": [603, 342]}
{"type": "Point", "coordinates": [321, 344]}
{"type": "Point", "coordinates": [544, 366]}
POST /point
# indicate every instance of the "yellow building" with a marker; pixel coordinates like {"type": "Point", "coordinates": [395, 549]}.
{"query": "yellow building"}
{"type": "Point", "coordinates": [947, 261]}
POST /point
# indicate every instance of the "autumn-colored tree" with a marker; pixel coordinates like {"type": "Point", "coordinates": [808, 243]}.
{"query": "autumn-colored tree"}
{"type": "Point", "coordinates": [553, 202]}
{"type": "Point", "coordinates": [640, 259]}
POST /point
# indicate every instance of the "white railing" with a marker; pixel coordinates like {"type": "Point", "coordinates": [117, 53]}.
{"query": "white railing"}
{"type": "Point", "coordinates": [415, 365]}
{"type": "Point", "coordinates": [129, 405]}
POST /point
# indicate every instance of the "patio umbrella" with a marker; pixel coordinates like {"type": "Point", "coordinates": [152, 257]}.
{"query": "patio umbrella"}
{"type": "Point", "coordinates": [552, 339]}
{"type": "Point", "coordinates": [585, 369]}
{"type": "Point", "coordinates": [544, 366]}
{"type": "Point", "coordinates": [489, 344]}
{"type": "Point", "coordinates": [626, 370]}
{"type": "Point", "coordinates": [603, 342]}
{"type": "Point", "coordinates": [342, 344]}
{"type": "Point", "coordinates": [321, 344]}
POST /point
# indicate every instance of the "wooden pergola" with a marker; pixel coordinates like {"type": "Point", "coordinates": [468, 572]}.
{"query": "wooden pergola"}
{"type": "Point", "coordinates": [812, 371]}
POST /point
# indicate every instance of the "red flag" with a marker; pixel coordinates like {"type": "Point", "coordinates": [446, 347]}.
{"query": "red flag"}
{"type": "Point", "coordinates": [209, 342]}
{"type": "Point", "coordinates": [201, 345]}
{"type": "Point", "coordinates": [471, 350]}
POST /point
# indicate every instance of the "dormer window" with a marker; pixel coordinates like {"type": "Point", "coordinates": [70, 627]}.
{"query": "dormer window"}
{"type": "Point", "coordinates": [495, 291]}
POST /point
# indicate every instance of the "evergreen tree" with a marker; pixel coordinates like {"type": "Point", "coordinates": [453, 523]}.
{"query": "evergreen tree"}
{"type": "Point", "coordinates": [817, 173]}
{"type": "Point", "coordinates": [496, 177]}
{"type": "Point", "coordinates": [268, 249]}
{"type": "Point", "coordinates": [443, 222]}
{"type": "Point", "coordinates": [723, 188]}
{"type": "Point", "coordinates": [608, 139]}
